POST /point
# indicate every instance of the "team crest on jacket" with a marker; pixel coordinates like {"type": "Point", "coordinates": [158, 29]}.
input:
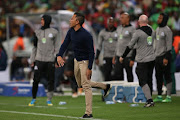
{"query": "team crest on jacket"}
{"type": "Point", "coordinates": [149, 40]}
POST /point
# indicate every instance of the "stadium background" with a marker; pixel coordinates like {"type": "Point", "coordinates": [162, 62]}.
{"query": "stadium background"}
{"type": "Point", "coordinates": [96, 13]}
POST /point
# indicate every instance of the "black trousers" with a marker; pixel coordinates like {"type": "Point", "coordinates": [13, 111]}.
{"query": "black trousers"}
{"type": "Point", "coordinates": [119, 69]}
{"type": "Point", "coordinates": [144, 73]}
{"type": "Point", "coordinates": [43, 67]}
{"type": "Point", "coordinates": [162, 71]}
{"type": "Point", "coordinates": [107, 68]}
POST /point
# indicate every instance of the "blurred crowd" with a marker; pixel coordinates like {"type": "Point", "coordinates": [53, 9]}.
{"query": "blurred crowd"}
{"type": "Point", "coordinates": [96, 12]}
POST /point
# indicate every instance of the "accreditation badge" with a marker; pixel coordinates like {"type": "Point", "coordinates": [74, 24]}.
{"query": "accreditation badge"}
{"type": "Point", "coordinates": [157, 37]}
{"type": "Point", "coordinates": [120, 36]}
{"type": "Point", "coordinates": [110, 40]}
{"type": "Point", "coordinates": [149, 40]}
{"type": "Point", "coordinates": [44, 40]}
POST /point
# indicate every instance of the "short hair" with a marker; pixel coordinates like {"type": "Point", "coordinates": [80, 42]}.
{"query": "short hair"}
{"type": "Point", "coordinates": [80, 17]}
{"type": "Point", "coordinates": [125, 13]}
{"type": "Point", "coordinates": [110, 18]}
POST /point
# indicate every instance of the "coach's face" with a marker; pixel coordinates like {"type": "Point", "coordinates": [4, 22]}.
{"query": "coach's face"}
{"type": "Point", "coordinates": [160, 18]}
{"type": "Point", "coordinates": [73, 21]}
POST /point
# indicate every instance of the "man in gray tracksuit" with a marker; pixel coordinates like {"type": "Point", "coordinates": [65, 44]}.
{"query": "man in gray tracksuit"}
{"type": "Point", "coordinates": [107, 39]}
{"type": "Point", "coordinates": [163, 46]}
{"type": "Point", "coordinates": [142, 40]}
{"type": "Point", "coordinates": [125, 33]}
{"type": "Point", "coordinates": [43, 55]}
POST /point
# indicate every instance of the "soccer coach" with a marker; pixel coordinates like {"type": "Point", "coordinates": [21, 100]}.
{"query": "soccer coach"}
{"type": "Point", "coordinates": [82, 44]}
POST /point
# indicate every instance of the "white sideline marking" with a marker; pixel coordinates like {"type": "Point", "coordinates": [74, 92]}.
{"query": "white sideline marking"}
{"type": "Point", "coordinates": [29, 113]}
{"type": "Point", "coordinates": [47, 106]}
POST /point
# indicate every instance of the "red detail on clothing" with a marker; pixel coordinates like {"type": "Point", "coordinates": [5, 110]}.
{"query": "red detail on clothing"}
{"type": "Point", "coordinates": [19, 45]}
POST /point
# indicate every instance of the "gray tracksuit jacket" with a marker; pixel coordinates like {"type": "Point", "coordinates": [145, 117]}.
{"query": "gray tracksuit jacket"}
{"type": "Point", "coordinates": [47, 45]}
{"type": "Point", "coordinates": [107, 40]}
{"type": "Point", "coordinates": [163, 41]}
{"type": "Point", "coordinates": [124, 37]}
{"type": "Point", "coordinates": [142, 40]}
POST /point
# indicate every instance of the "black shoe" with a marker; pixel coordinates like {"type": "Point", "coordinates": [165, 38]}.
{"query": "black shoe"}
{"type": "Point", "coordinates": [87, 116]}
{"type": "Point", "coordinates": [149, 103]}
{"type": "Point", "coordinates": [106, 91]}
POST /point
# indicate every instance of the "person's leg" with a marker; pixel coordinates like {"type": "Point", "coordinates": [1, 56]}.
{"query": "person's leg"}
{"type": "Point", "coordinates": [38, 68]}
{"type": "Point", "coordinates": [107, 68]}
{"type": "Point", "coordinates": [118, 75]}
{"type": "Point", "coordinates": [71, 78]}
{"type": "Point", "coordinates": [159, 77]}
{"type": "Point", "coordinates": [143, 82]}
{"type": "Point", "coordinates": [58, 78]}
{"type": "Point", "coordinates": [37, 75]}
{"type": "Point", "coordinates": [150, 73]}
{"type": "Point", "coordinates": [159, 74]}
{"type": "Point", "coordinates": [77, 73]}
{"type": "Point", "coordinates": [173, 84]}
{"type": "Point", "coordinates": [128, 69]}
{"type": "Point", "coordinates": [50, 78]}
{"type": "Point", "coordinates": [83, 65]}
{"type": "Point", "coordinates": [74, 85]}
{"type": "Point", "coordinates": [69, 72]}
{"type": "Point", "coordinates": [142, 77]}
{"type": "Point", "coordinates": [167, 76]}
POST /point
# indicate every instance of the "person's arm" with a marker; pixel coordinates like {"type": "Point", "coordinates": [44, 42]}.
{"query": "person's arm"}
{"type": "Point", "coordinates": [133, 55]}
{"type": "Point", "coordinates": [168, 44]}
{"type": "Point", "coordinates": [63, 48]}
{"type": "Point", "coordinates": [99, 46]}
{"type": "Point", "coordinates": [65, 44]}
{"type": "Point", "coordinates": [34, 50]}
{"type": "Point", "coordinates": [130, 46]}
{"type": "Point", "coordinates": [91, 56]}
{"type": "Point", "coordinates": [90, 51]}
{"type": "Point", "coordinates": [56, 43]}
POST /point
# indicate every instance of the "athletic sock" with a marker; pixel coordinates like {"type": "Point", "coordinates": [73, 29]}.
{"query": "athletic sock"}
{"type": "Point", "coordinates": [147, 92]}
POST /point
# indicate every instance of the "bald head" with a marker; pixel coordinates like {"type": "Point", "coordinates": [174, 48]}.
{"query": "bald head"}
{"type": "Point", "coordinates": [143, 20]}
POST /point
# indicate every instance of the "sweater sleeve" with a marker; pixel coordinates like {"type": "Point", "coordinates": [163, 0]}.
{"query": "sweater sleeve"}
{"type": "Point", "coordinates": [90, 51]}
{"type": "Point", "coordinates": [168, 43]}
{"type": "Point", "coordinates": [34, 50]}
{"type": "Point", "coordinates": [56, 43]}
{"type": "Point", "coordinates": [131, 44]}
{"type": "Point", "coordinates": [65, 44]}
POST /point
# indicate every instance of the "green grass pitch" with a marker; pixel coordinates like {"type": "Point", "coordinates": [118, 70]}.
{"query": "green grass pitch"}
{"type": "Point", "coordinates": [16, 108]}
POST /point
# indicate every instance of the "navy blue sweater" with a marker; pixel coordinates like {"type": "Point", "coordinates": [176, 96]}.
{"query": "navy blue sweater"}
{"type": "Point", "coordinates": [82, 44]}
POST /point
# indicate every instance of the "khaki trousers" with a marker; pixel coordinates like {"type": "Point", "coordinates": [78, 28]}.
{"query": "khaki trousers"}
{"type": "Point", "coordinates": [80, 68]}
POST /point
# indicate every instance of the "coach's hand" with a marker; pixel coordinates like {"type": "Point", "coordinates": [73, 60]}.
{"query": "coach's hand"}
{"type": "Point", "coordinates": [131, 63]}
{"type": "Point", "coordinates": [165, 62]}
{"type": "Point", "coordinates": [32, 64]}
{"type": "Point", "coordinates": [114, 60]}
{"type": "Point", "coordinates": [60, 61]}
{"type": "Point", "coordinates": [88, 74]}
{"type": "Point", "coordinates": [121, 60]}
